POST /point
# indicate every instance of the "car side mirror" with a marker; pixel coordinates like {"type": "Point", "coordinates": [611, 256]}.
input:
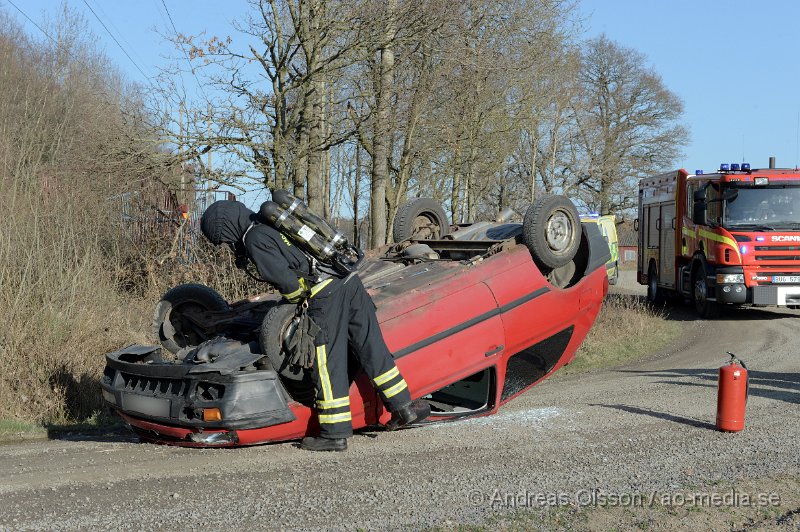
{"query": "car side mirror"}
{"type": "Point", "coordinates": [699, 213]}
{"type": "Point", "coordinates": [699, 207]}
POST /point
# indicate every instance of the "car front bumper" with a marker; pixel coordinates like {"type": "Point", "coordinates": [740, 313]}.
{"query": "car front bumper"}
{"type": "Point", "coordinates": [192, 398]}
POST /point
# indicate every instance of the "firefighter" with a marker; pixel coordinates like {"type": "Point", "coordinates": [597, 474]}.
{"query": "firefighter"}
{"type": "Point", "coordinates": [341, 308]}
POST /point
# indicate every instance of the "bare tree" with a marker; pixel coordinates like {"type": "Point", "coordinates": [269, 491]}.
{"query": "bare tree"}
{"type": "Point", "coordinates": [381, 128]}
{"type": "Point", "coordinates": [626, 125]}
{"type": "Point", "coordinates": [268, 92]}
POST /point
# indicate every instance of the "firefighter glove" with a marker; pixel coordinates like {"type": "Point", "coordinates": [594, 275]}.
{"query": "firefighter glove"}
{"type": "Point", "coordinates": [301, 346]}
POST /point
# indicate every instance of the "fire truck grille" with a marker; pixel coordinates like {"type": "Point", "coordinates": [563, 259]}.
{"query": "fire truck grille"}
{"type": "Point", "coordinates": [777, 257]}
{"type": "Point", "coordinates": [777, 248]}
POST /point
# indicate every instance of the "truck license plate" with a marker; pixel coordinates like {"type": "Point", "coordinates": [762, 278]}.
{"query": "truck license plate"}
{"type": "Point", "coordinates": [786, 278]}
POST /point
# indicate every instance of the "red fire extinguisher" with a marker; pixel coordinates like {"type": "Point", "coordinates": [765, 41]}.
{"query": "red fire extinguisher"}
{"type": "Point", "coordinates": [732, 395]}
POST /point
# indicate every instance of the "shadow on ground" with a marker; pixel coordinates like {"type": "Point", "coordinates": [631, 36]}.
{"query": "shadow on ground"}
{"type": "Point", "coordinates": [768, 384]}
{"type": "Point", "coordinates": [683, 420]}
{"type": "Point", "coordinates": [679, 310]}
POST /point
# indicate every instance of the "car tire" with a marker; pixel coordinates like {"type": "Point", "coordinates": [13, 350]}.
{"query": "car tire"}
{"type": "Point", "coordinates": [271, 339]}
{"type": "Point", "coordinates": [297, 381]}
{"type": "Point", "coordinates": [172, 329]}
{"type": "Point", "coordinates": [552, 232]}
{"type": "Point", "coordinates": [420, 215]}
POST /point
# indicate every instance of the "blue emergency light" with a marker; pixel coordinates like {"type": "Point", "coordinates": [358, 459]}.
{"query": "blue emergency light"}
{"type": "Point", "coordinates": [734, 167]}
{"type": "Point", "coordinates": [745, 167]}
{"type": "Point", "coordinates": [724, 167]}
{"type": "Point", "coordinates": [760, 239]}
{"type": "Point", "coordinates": [743, 249]}
{"type": "Point", "coordinates": [698, 172]}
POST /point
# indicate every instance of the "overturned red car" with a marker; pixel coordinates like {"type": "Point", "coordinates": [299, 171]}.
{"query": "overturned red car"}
{"type": "Point", "coordinates": [474, 314]}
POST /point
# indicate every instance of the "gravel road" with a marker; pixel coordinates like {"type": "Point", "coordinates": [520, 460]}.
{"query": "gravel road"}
{"type": "Point", "coordinates": [577, 451]}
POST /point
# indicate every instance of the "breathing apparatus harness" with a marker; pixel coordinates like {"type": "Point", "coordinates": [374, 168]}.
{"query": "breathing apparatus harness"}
{"type": "Point", "coordinates": [328, 252]}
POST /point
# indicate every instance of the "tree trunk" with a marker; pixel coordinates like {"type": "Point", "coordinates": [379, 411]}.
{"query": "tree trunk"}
{"type": "Point", "coordinates": [314, 177]}
{"type": "Point", "coordinates": [380, 150]}
{"type": "Point", "coordinates": [356, 194]}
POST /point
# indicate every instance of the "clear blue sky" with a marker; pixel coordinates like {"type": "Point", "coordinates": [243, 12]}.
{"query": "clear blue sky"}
{"type": "Point", "coordinates": [734, 63]}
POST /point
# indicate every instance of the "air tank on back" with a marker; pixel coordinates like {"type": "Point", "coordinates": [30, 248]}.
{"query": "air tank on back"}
{"type": "Point", "coordinates": [296, 230]}
{"type": "Point", "coordinates": [295, 206]}
{"type": "Point", "coordinates": [310, 232]}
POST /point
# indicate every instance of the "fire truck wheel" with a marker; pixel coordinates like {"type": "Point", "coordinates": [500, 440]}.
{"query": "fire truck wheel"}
{"type": "Point", "coordinates": [705, 308]}
{"type": "Point", "coordinates": [654, 294]}
{"type": "Point", "coordinates": [171, 322]}
{"type": "Point", "coordinates": [552, 232]}
{"type": "Point", "coordinates": [420, 219]}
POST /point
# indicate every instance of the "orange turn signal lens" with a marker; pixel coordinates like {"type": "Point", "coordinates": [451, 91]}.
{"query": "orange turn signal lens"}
{"type": "Point", "coordinates": [212, 414]}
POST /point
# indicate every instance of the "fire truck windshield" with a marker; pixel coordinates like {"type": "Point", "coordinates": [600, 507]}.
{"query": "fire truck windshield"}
{"type": "Point", "coordinates": [762, 208]}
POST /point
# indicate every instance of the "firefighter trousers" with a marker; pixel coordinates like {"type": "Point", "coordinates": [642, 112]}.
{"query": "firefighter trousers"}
{"type": "Point", "coordinates": [346, 314]}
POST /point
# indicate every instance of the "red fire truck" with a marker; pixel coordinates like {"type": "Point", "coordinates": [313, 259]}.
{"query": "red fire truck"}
{"type": "Point", "coordinates": [727, 238]}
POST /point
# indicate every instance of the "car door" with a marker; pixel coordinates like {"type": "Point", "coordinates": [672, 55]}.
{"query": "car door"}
{"type": "Point", "coordinates": [447, 339]}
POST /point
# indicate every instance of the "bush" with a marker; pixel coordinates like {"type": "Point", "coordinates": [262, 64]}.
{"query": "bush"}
{"type": "Point", "coordinates": [71, 139]}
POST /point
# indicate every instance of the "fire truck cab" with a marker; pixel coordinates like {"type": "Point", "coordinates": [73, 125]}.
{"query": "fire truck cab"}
{"type": "Point", "coordinates": [727, 238]}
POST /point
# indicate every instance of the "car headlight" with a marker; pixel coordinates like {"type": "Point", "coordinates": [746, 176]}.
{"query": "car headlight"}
{"type": "Point", "coordinates": [730, 278]}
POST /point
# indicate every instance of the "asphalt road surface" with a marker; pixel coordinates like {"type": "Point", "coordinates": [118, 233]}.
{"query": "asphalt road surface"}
{"type": "Point", "coordinates": [597, 450]}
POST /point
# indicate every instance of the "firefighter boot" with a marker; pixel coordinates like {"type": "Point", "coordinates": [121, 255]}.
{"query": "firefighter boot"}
{"type": "Point", "coordinates": [311, 443]}
{"type": "Point", "coordinates": [409, 413]}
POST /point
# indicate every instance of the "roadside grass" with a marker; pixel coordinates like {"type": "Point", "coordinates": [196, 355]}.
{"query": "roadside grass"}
{"type": "Point", "coordinates": [16, 429]}
{"type": "Point", "coordinates": [13, 429]}
{"type": "Point", "coordinates": [627, 329]}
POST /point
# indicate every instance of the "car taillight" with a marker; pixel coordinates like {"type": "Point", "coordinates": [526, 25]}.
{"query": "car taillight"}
{"type": "Point", "coordinates": [212, 414]}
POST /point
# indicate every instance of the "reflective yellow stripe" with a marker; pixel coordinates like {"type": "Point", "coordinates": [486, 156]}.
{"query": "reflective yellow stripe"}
{"type": "Point", "coordinates": [319, 286]}
{"type": "Point", "coordinates": [397, 388]}
{"type": "Point", "coordinates": [335, 403]}
{"type": "Point", "coordinates": [717, 238]}
{"type": "Point", "coordinates": [702, 233]}
{"type": "Point", "coordinates": [322, 366]}
{"type": "Point", "coordinates": [335, 418]}
{"type": "Point", "coordinates": [721, 239]}
{"type": "Point", "coordinates": [285, 240]}
{"type": "Point", "coordinates": [386, 377]}
{"type": "Point", "coordinates": [297, 292]}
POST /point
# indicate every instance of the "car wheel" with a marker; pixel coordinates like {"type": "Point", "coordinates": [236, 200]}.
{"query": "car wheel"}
{"type": "Point", "coordinates": [420, 219]}
{"type": "Point", "coordinates": [172, 323]}
{"type": "Point", "coordinates": [275, 330]}
{"type": "Point", "coordinates": [552, 232]}
{"type": "Point", "coordinates": [654, 294]}
{"type": "Point", "coordinates": [705, 308]}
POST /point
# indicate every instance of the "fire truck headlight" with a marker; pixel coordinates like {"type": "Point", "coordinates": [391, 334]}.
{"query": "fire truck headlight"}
{"type": "Point", "coordinates": [730, 278]}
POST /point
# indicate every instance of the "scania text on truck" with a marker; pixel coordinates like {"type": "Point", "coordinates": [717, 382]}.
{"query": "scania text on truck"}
{"type": "Point", "coordinates": [727, 238]}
